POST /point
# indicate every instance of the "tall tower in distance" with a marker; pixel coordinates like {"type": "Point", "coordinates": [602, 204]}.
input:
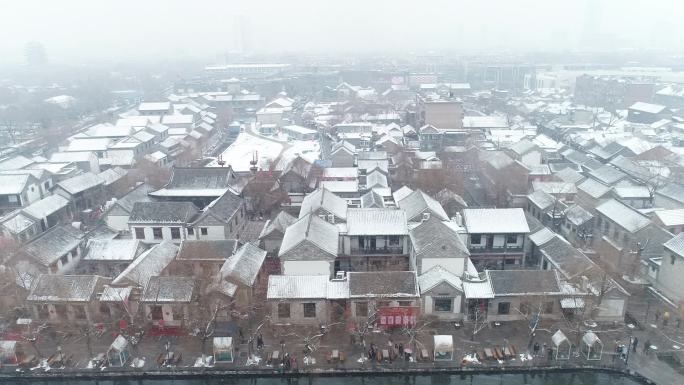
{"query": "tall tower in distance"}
{"type": "Point", "coordinates": [35, 54]}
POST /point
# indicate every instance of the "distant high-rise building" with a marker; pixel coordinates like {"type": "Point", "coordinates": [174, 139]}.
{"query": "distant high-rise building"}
{"type": "Point", "coordinates": [35, 54]}
{"type": "Point", "coordinates": [241, 36]}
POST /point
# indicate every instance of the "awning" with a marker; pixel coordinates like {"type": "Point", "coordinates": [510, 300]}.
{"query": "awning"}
{"type": "Point", "coordinates": [223, 343]}
{"type": "Point", "coordinates": [572, 303]}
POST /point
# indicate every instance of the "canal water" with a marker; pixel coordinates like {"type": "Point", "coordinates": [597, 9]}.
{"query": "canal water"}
{"type": "Point", "coordinates": [551, 378]}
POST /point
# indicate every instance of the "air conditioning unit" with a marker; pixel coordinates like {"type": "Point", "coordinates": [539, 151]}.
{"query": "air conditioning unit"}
{"type": "Point", "coordinates": [340, 275]}
{"type": "Point", "coordinates": [331, 218]}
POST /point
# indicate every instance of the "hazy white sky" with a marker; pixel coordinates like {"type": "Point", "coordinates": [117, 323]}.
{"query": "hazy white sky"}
{"type": "Point", "coordinates": [93, 30]}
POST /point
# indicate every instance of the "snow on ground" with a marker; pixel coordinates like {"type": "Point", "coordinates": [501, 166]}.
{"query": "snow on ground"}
{"type": "Point", "coordinates": [307, 149]}
{"type": "Point", "coordinates": [239, 153]}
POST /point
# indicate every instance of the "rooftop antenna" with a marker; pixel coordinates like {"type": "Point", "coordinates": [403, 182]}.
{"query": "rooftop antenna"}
{"type": "Point", "coordinates": [253, 163]}
{"type": "Point", "coordinates": [221, 162]}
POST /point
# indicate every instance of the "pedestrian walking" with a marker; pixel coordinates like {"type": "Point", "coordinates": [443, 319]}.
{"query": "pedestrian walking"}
{"type": "Point", "coordinates": [550, 355]}
{"type": "Point", "coordinates": [666, 318]}
{"type": "Point", "coordinates": [647, 346]}
{"type": "Point", "coordinates": [635, 342]}
{"type": "Point", "coordinates": [260, 341]}
{"type": "Point", "coordinates": [679, 321]}
{"type": "Point", "coordinates": [543, 349]}
{"type": "Point", "coordinates": [535, 349]}
{"type": "Point", "coordinates": [657, 315]}
{"type": "Point", "coordinates": [401, 349]}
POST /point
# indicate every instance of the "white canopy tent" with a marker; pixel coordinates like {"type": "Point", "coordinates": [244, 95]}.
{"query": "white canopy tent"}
{"type": "Point", "coordinates": [592, 347]}
{"type": "Point", "coordinates": [118, 352]}
{"type": "Point", "coordinates": [444, 347]}
{"type": "Point", "coordinates": [562, 345]}
{"type": "Point", "coordinates": [8, 352]}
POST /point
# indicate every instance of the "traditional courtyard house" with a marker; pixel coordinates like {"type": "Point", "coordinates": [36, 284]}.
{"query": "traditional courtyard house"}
{"type": "Point", "coordinates": [375, 239]}
{"type": "Point", "coordinates": [299, 176]}
{"type": "Point", "coordinates": [243, 269]}
{"type": "Point", "coordinates": [272, 234]}
{"type": "Point", "coordinates": [401, 193]}
{"type": "Point", "coordinates": [150, 263]}
{"type": "Point", "coordinates": [671, 220]}
{"type": "Point", "coordinates": [170, 301]}
{"type": "Point", "coordinates": [85, 191]}
{"type": "Point", "coordinates": [420, 206]}
{"type": "Point", "coordinates": [389, 299]}
{"type": "Point", "coordinates": [117, 212]}
{"type": "Point", "coordinates": [66, 298]}
{"type": "Point", "coordinates": [325, 205]}
{"type": "Point", "coordinates": [200, 185]}
{"type": "Point", "coordinates": [45, 179]}
{"type": "Point", "coordinates": [372, 200]}
{"type": "Point", "coordinates": [526, 152]}
{"type": "Point", "coordinates": [298, 299]}
{"type": "Point", "coordinates": [441, 292]}
{"type": "Point", "coordinates": [437, 243]}
{"type": "Point", "coordinates": [496, 237]}
{"type": "Point", "coordinates": [221, 219]}
{"type": "Point", "coordinates": [670, 196]}
{"type": "Point", "coordinates": [548, 209]}
{"type": "Point", "coordinates": [578, 225]}
{"type": "Point", "coordinates": [569, 175]}
{"type": "Point", "coordinates": [57, 251]}
{"type": "Point", "coordinates": [606, 153]}
{"type": "Point", "coordinates": [671, 268]}
{"type": "Point", "coordinates": [559, 190]}
{"type": "Point", "coordinates": [601, 297]}
{"type": "Point", "coordinates": [155, 108]}
{"type": "Point", "coordinates": [591, 193]}
{"type": "Point", "coordinates": [202, 259]}
{"type": "Point", "coordinates": [83, 161]}
{"type": "Point", "coordinates": [610, 176]}
{"type": "Point", "coordinates": [451, 202]}
{"type": "Point", "coordinates": [155, 222]}
{"type": "Point", "coordinates": [638, 197]}
{"type": "Point", "coordinates": [109, 257]}
{"type": "Point", "coordinates": [619, 227]}
{"type": "Point", "coordinates": [49, 211]}
{"type": "Point", "coordinates": [17, 191]}
{"type": "Point", "coordinates": [524, 295]}
{"type": "Point", "coordinates": [19, 227]}
{"type": "Point", "coordinates": [310, 246]}
{"type": "Point", "coordinates": [343, 154]}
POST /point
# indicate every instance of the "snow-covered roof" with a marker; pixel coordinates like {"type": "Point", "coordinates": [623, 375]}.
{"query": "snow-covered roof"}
{"type": "Point", "coordinates": [112, 249]}
{"type": "Point", "coordinates": [671, 217]}
{"type": "Point", "coordinates": [244, 266]}
{"type": "Point", "coordinates": [341, 172]}
{"type": "Point", "coordinates": [478, 289]}
{"type": "Point", "coordinates": [436, 275]}
{"type": "Point", "coordinates": [325, 199]}
{"type": "Point", "coordinates": [160, 289]}
{"type": "Point", "coordinates": [300, 129]}
{"type": "Point", "coordinates": [401, 193]}
{"type": "Point", "coordinates": [81, 183]}
{"type": "Point", "coordinates": [558, 338]}
{"type": "Point", "coordinates": [593, 188]}
{"type": "Point", "coordinates": [112, 175]}
{"type": "Point", "coordinates": [13, 184]}
{"type": "Point", "coordinates": [64, 288]}
{"type": "Point", "coordinates": [163, 212]}
{"type": "Point", "coordinates": [542, 236]}
{"type": "Point", "coordinates": [625, 192]}
{"type": "Point", "coordinates": [46, 206]}
{"type": "Point", "coordinates": [541, 199]}
{"type": "Point", "coordinates": [297, 287]}
{"type": "Point", "coordinates": [676, 244]}
{"type": "Point", "coordinates": [54, 243]}
{"type": "Point", "coordinates": [578, 215]}
{"type": "Point", "coordinates": [590, 338]}
{"type": "Point", "coordinates": [15, 163]}
{"type": "Point", "coordinates": [417, 202]}
{"type": "Point", "coordinates": [554, 188]}
{"type": "Point", "coordinates": [338, 289]}
{"type": "Point", "coordinates": [627, 218]}
{"type": "Point", "coordinates": [154, 106]}
{"type": "Point", "coordinates": [312, 229]}
{"type": "Point", "coordinates": [16, 222]}
{"type": "Point", "coordinates": [495, 221]}
{"type": "Point", "coordinates": [150, 263]}
{"type": "Point", "coordinates": [340, 186]}
{"type": "Point", "coordinates": [435, 239]}
{"type": "Point", "coordinates": [90, 144]}
{"type": "Point", "coordinates": [376, 221]}
{"type": "Point", "coordinates": [647, 107]}
{"type": "Point", "coordinates": [524, 282]}
{"type": "Point", "coordinates": [115, 294]}
{"type": "Point", "coordinates": [607, 175]}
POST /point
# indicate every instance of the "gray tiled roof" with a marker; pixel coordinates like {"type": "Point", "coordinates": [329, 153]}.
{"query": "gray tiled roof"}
{"type": "Point", "coordinates": [434, 239]}
{"type": "Point", "coordinates": [169, 289]}
{"type": "Point", "coordinates": [416, 202]}
{"type": "Point", "coordinates": [244, 266]}
{"type": "Point", "coordinates": [384, 284]}
{"type": "Point", "coordinates": [54, 243]}
{"type": "Point", "coordinates": [524, 282]}
{"type": "Point", "coordinates": [64, 288]}
{"type": "Point", "coordinates": [207, 249]}
{"type": "Point", "coordinates": [676, 244]}
{"type": "Point", "coordinates": [162, 212]}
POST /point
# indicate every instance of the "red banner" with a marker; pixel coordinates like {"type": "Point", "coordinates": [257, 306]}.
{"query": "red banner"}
{"type": "Point", "coordinates": [392, 317]}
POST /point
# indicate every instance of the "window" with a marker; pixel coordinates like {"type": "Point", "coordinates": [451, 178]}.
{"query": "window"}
{"type": "Point", "coordinates": [177, 313]}
{"type": "Point", "coordinates": [504, 308]}
{"type": "Point", "coordinates": [191, 231]}
{"type": "Point", "coordinates": [43, 312]}
{"type": "Point", "coordinates": [510, 261]}
{"type": "Point", "coordinates": [475, 239]}
{"type": "Point", "coordinates": [512, 239]}
{"type": "Point", "coordinates": [79, 311]}
{"type": "Point", "coordinates": [156, 312]}
{"type": "Point", "coordinates": [157, 232]}
{"type": "Point", "coordinates": [548, 307]}
{"type": "Point", "coordinates": [204, 230]}
{"type": "Point", "coordinates": [394, 240]}
{"type": "Point", "coordinates": [12, 198]}
{"type": "Point", "coordinates": [405, 303]}
{"type": "Point", "coordinates": [361, 309]}
{"type": "Point", "coordinates": [105, 310]}
{"type": "Point", "coordinates": [61, 310]}
{"type": "Point", "coordinates": [525, 308]}
{"type": "Point", "coordinates": [236, 218]}
{"type": "Point", "coordinates": [309, 310]}
{"type": "Point", "coordinates": [47, 185]}
{"type": "Point", "coordinates": [139, 233]}
{"type": "Point", "coordinates": [672, 259]}
{"type": "Point", "coordinates": [64, 259]}
{"type": "Point", "coordinates": [175, 233]}
{"type": "Point", "coordinates": [283, 310]}
{"type": "Point", "coordinates": [74, 252]}
{"type": "Point", "coordinates": [443, 304]}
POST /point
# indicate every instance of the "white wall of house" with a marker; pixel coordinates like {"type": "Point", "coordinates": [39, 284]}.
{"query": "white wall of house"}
{"type": "Point", "coordinates": [670, 274]}
{"type": "Point", "coordinates": [296, 313]}
{"type": "Point", "coordinates": [429, 307]}
{"type": "Point", "coordinates": [307, 268]}
{"type": "Point", "coordinates": [166, 233]}
{"type": "Point", "coordinates": [117, 222]}
{"type": "Point", "coordinates": [213, 233]}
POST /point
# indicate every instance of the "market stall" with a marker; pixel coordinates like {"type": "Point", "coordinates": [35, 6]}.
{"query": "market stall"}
{"type": "Point", "coordinates": [223, 349]}
{"type": "Point", "coordinates": [562, 345]}
{"type": "Point", "coordinates": [592, 347]}
{"type": "Point", "coordinates": [444, 347]}
{"type": "Point", "coordinates": [118, 352]}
